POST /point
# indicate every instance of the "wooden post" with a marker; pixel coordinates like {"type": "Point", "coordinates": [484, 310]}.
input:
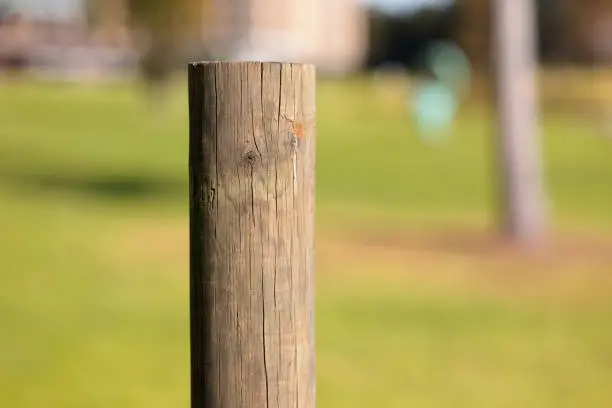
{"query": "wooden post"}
{"type": "Point", "coordinates": [251, 167]}
{"type": "Point", "coordinates": [522, 186]}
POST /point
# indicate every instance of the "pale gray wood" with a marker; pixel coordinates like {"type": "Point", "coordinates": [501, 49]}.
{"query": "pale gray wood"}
{"type": "Point", "coordinates": [252, 161]}
{"type": "Point", "coordinates": [522, 198]}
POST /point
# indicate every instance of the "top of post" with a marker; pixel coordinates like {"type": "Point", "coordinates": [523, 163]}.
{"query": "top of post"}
{"type": "Point", "coordinates": [229, 63]}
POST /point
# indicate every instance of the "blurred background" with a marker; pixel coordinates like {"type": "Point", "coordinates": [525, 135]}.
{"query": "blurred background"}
{"type": "Point", "coordinates": [433, 290]}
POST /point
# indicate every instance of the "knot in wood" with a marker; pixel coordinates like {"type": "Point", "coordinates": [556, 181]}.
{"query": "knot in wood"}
{"type": "Point", "coordinates": [250, 157]}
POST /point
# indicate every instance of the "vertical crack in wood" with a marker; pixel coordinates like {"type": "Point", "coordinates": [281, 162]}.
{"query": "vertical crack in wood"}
{"type": "Point", "coordinates": [254, 230]}
{"type": "Point", "coordinates": [217, 176]}
{"type": "Point", "coordinates": [295, 262]}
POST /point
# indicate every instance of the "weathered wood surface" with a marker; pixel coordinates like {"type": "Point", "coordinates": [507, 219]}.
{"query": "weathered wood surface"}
{"type": "Point", "coordinates": [252, 159]}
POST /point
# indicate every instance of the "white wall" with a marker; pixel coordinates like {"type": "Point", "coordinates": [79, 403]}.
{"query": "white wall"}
{"type": "Point", "coordinates": [329, 33]}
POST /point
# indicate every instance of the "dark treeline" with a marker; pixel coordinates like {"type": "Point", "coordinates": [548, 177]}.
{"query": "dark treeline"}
{"type": "Point", "coordinates": [403, 38]}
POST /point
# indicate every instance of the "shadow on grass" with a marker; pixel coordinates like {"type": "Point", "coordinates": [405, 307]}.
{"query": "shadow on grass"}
{"type": "Point", "coordinates": [104, 186]}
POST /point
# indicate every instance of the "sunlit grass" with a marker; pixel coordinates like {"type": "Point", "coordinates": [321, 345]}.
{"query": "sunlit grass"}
{"type": "Point", "coordinates": [93, 231]}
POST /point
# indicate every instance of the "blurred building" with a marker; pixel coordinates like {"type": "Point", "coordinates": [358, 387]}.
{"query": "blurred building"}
{"type": "Point", "coordinates": [62, 42]}
{"type": "Point", "coordinates": [331, 34]}
{"type": "Point", "coordinates": [94, 35]}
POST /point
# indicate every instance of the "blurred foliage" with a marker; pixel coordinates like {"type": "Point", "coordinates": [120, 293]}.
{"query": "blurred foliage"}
{"type": "Point", "coordinates": [565, 29]}
{"type": "Point", "coordinates": [163, 30]}
{"type": "Point", "coordinates": [159, 23]}
{"type": "Point", "coordinates": [404, 38]}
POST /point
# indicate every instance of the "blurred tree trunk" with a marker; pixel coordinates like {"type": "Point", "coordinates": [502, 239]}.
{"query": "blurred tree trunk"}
{"type": "Point", "coordinates": [166, 30]}
{"type": "Point", "coordinates": [522, 191]}
{"type": "Point", "coordinates": [474, 31]}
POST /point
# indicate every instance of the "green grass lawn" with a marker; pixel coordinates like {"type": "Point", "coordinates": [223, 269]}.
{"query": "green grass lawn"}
{"type": "Point", "coordinates": [416, 305]}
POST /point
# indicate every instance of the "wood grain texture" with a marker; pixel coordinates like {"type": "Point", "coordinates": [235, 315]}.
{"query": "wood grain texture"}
{"type": "Point", "coordinates": [251, 168]}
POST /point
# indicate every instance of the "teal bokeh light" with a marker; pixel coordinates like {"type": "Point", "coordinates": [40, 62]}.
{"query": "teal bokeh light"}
{"type": "Point", "coordinates": [434, 108]}
{"type": "Point", "coordinates": [450, 65]}
{"type": "Point", "coordinates": [436, 102]}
